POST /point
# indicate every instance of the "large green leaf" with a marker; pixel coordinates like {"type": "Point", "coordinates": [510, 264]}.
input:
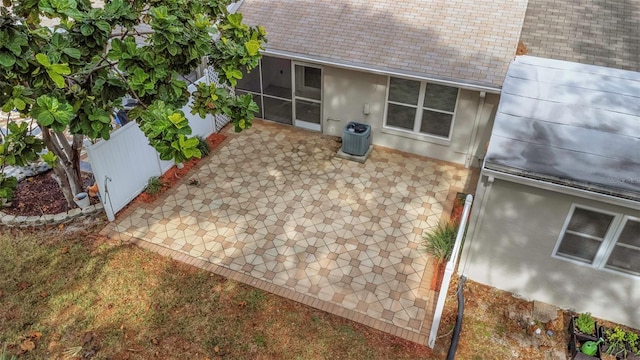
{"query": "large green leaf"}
{"type": "Point", "coordinates": [7, 59]}
{"type": "Point", "coordinates": [57, 78]}
{"type": "Point", "coordinates": [74, 53]}
{"type": "Point", "coordinates": [253, 47]}
{"type": "Point", "coordinates": [43, 60]}
{"type": "Point", "coordinates": [62, 69]}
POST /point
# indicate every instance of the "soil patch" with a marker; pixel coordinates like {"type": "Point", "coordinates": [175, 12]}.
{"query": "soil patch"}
{"type": "Point", "coordinates": [41, 194]}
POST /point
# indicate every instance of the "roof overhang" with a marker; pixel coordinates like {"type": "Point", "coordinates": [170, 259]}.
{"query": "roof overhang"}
{"type": "Point", "coordinates": [381, 70]}
{"type": "Point", "coordinates": [568, 124]}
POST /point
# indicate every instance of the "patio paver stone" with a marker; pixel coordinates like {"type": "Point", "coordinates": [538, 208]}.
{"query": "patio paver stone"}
{"type": "Point", "coordinates": [277, 206]}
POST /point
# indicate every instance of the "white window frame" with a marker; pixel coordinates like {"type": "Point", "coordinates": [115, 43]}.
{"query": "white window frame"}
{"type": "Point", "coordinates": [608, 242]}
{"type": "Point", "coordinates": [420, 108]}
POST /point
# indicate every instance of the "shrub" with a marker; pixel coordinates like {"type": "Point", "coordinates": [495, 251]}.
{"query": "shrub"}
{"type": "Point", "coordinates": [586, 324]}
{"type": "Point", "coordinates": [439, 242]}
{"type": "Point", "coordinates": [153, 186]}
{"type": "Point", "coordinates": [203, 146]}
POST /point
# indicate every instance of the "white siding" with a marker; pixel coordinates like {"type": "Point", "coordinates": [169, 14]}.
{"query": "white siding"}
{"type": "Point", "coordinates": [511, 245]}
{"type": "Point", "coordinates": [346, 92]}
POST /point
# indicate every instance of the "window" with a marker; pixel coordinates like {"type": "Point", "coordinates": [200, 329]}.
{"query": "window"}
{"type": "Point", "coordinates": [421, 107]}
{"type": "Point", "coordinates": [601, 239]}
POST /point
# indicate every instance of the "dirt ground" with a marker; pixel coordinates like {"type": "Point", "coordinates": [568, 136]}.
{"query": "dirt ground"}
{"type": "Point", "coordinates": [497, 325]}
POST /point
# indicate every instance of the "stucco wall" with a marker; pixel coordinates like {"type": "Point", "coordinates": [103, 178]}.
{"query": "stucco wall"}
{"type": "Point", "coordinates": [510, 248]}
{"type": "Point", "coordinates": [346, 92]}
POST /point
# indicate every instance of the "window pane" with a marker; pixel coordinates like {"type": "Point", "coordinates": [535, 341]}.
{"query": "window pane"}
{"type": "Point", "coordinates": [308, 111]}
{"type": "Point", "coordinates": [590, 222]}
{"type": "Point", "coordinates": [625, 259]}
{"type": "Point", "coordinates": [256, 99]}
{"type": "Point", "coordinates": [250, 81]}
{"type": "Point", "coordinates": [308, 82]}
{"type": "Point", "coordinates": [578, 247]}
{"type": "Point", "coordinates": [631, 234]}
{"type": "Point", "coordinates": [440, 97]}
{"type": "Point", "coordinates": [276, 77]}
{"type": "Point", "coordinates": [277, 110]}
{"type": "Point", "coordinates": [435, 123]}
{"type": "Point", "coordinates": [404, 91]}
{"type": "Point", "coordinates": [401, 116]}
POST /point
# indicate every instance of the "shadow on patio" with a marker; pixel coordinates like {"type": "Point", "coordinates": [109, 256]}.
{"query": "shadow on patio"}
{"type": "Point", "coordinates": [277, 210]}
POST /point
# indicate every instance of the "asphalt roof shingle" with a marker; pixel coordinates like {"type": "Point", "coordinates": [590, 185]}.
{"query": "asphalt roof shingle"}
{"type": "Point", "coordinates": [602, 32]}
{"type": "Point", "coordinates": [470, 41]}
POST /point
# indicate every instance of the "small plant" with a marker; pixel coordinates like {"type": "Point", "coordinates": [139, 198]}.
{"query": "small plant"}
{"type": "Point", "coordinates": [632, 341]}
{"type": "Point", "coordinates": [153, 186]}
{"type": "Point", "coordinates": [616, 339]}
{"type": "Point", "coordinates": [586, 324]}
{"type": "Point", "coordinates": [439, 242]}
{"type": "Point", "coordinates": [203, 146]}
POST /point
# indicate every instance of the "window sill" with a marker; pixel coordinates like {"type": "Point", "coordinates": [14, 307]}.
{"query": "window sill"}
{"type": "Point", "coordinates": [412, 135]}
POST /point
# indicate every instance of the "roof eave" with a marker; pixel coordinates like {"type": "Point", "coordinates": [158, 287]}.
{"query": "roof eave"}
{"type": "Point", "coordinates": [592, 191]}
{"type": "Point", "coordinates": [463, 84]}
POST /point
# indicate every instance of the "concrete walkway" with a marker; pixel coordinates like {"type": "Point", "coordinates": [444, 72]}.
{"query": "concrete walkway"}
{"type": "Point", "coordinates": [277, 210]}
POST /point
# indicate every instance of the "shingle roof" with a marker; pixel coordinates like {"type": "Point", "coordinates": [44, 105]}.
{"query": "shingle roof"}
{"type": "Point", "coordinates": [568, 123]}
{"type": "Point", "coordinates": [465, 40]}
{"type": "Point", "coordinates": [605, 33]}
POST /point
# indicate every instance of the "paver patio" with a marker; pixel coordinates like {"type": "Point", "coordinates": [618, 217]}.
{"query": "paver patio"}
{"type": "Point", "coordinates": [277, 209]}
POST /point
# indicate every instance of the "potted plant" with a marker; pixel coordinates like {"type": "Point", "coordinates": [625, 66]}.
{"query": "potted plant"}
{"type": "Point", "coordinates": [615, 343]}
{"type": "Point", "coordinates": [633, 345]}
{"type": "Point", "coordinates": [620, 344]}
{"type": "Point", "coordinates": [584, 327]}
{"type": "Point", "coordinates": [583, 334]}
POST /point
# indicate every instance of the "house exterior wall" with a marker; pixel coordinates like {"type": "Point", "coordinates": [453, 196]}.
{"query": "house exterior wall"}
{"type": "Point", "coordinates": [511, 240]}
{"type": "Point", "coordinates": [346, 92]}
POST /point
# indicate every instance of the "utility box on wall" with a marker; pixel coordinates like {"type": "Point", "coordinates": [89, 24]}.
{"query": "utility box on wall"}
{"type": "Point", "coordinates": [356, 138]}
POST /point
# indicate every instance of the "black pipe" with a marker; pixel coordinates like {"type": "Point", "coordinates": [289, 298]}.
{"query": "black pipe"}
{"type": "Point", "coordinates": [456, 330]}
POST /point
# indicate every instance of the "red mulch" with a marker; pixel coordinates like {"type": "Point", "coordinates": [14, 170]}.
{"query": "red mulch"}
{"type": "Point", "coordinates": [456, 214]}
{"type": "Point", "coordinates": [41, 194]}
{"type": "Point", "coordinates": [174, 175]}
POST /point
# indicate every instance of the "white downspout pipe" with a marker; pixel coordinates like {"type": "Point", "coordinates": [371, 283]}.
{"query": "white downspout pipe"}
{"type": "Point", "coordinates": [474, 130]}
{"type": "Point", "coordinates": [451, 264]}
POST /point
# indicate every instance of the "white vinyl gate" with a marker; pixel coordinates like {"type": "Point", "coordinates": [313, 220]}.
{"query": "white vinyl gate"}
{"type": "Point", "coordinates": [123, 164]}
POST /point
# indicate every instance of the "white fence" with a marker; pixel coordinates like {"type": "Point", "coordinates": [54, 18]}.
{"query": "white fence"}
{"type": "Point", "coordinates": [123, 164]}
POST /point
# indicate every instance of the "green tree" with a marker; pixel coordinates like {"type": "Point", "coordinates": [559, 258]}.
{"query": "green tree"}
{"type": "Point", "coordinates": [70, 77]}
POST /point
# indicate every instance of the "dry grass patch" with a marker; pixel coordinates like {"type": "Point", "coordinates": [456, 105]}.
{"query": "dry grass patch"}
{"type": "Point", "coordinates": [73, 295]}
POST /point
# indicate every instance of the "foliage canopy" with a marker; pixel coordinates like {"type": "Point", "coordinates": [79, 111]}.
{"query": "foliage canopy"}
{"type": "Point", "coordinates": [70, 77]}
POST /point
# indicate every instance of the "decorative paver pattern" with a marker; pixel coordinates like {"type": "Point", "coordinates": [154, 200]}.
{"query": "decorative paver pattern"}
{"type": "Point", "coordinates": [275, 204]}
{"type": "Point", "coordinates": [605, 33]}
{"type": "Point", "coordinates": [464, 40]}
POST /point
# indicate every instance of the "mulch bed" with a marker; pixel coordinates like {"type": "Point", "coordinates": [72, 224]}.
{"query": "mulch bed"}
{"type": "Point", "coordinates": [174, 175]}
{"type": "Point", "coordinates": [456, 215]}
{"type": "Point", "coordinates": [41, 194]}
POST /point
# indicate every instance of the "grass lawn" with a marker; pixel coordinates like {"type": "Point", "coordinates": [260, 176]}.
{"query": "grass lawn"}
{"type": "Point", "coordinates": [65, 293]}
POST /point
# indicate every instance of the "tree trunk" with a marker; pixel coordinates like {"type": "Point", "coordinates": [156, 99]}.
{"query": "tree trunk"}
{"type": "Point", "coordinates": [68, 165]}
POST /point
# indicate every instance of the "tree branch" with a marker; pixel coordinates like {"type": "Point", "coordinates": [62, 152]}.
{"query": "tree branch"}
{"type": "Point", "coordinates": [49, 141]}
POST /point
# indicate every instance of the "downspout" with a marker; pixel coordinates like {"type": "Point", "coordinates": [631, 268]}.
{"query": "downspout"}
{"type": "Point", "coordinates": [476, 225]}
{"type": "Point", "coordinates": [451, 264]}
{"type": "Point", "coordinates": [474, 130]}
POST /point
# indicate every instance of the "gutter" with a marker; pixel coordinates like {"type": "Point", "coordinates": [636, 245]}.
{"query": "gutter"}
{"type": "Point", "coordinates": [380, 70]}
{"type": "Point", "coordinates": [564, 189]}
